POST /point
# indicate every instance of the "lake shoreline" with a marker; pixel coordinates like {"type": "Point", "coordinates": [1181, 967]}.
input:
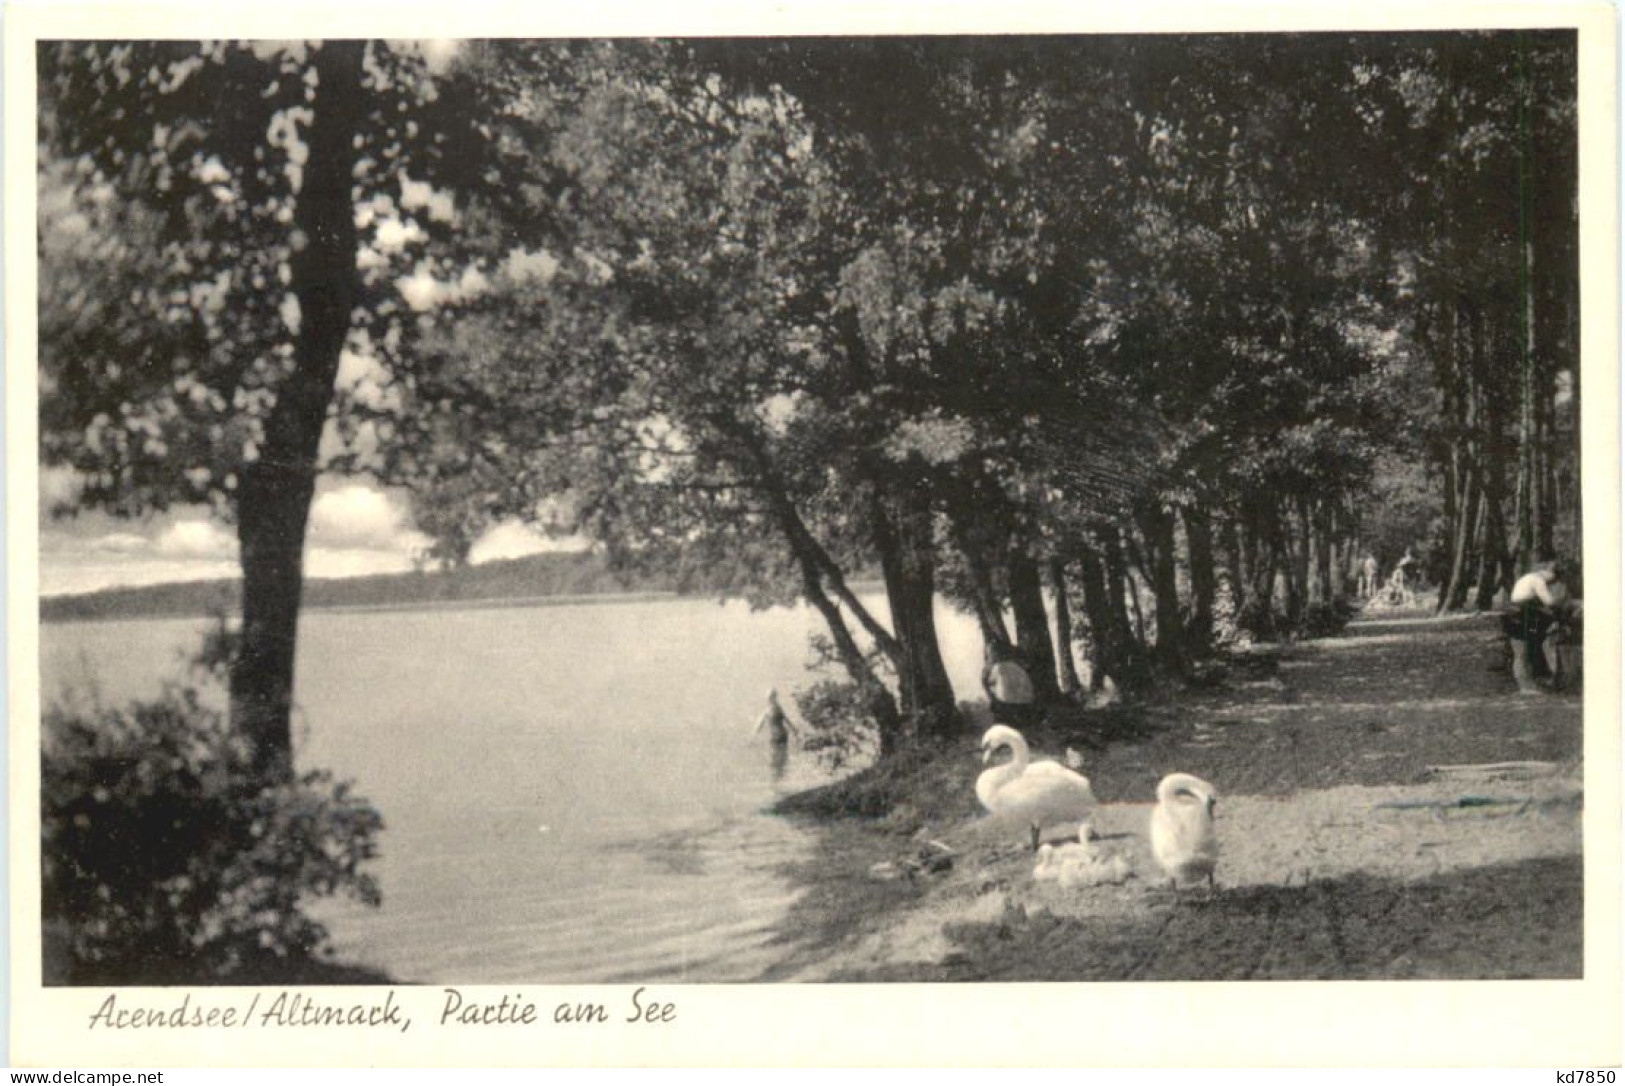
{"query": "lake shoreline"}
{"type": "Point", "coordinates": [581, 599]}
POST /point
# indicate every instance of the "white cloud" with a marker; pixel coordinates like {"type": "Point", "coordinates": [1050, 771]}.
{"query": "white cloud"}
{"type": "Point", "coordinates": [196, 539]}
{"type": "Point", "coordinates": [122, 543]}
{"type": "Point", "coordinates": [355, 517]}
{"type": "Point", "coordinates": [355, 529]}
{"type": "Point", "coordinates": [513, 539]}
{"type": "Point", "coordinates": [507, 540]}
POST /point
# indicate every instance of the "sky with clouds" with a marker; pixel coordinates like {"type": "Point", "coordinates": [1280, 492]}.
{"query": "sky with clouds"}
{"type": "Point", "coordinates": [356, 528]}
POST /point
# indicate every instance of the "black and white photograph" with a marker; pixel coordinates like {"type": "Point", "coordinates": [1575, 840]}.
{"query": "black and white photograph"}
{"type": "Point", "coordinates": [662, 512]}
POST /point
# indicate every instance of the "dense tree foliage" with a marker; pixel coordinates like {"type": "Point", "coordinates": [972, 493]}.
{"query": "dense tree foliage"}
{"type": "Point", "coordinates": [220, 224]}
{"type": "Point", "coordinates": [1113, 342]}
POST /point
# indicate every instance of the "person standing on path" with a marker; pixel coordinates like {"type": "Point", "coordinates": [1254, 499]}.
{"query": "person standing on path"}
{"type": "Point", "coordinates": [1368, 577]}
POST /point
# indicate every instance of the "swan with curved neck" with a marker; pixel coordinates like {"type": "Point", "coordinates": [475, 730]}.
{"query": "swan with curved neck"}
{"type": "Point", "coordinates": [1036, 794]}
{"type": "Point", "coordinates": [1184, 839]}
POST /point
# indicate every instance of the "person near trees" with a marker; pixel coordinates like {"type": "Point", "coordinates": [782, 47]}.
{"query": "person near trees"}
{"type": "Point", "coordinates": [1368, 576]}
{"type": "Point", "coordinates": [1539, 599]}
{"type": "Point", "coordinates": [1405, 569]}
{"type": "Point", "coordinates": [1009, 688]}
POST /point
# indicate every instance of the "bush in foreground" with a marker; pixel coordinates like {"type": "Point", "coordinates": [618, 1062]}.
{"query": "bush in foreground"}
{"type": "Point", "coordinates": [840, 730]}
{"type": "Point", "coordinates": [166, 860]}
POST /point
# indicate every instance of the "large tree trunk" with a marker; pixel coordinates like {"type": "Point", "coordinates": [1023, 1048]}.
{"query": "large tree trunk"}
{"type": "Point", "coordinates": [1236, 562]}
{"type": "Point", "coordinates": [1492, 544]}
{"type": "Point", "coordinates": [274, 498]}
{"type": "Point", "coordinates": [1455, 593]}
{"type": "Point", "coordinates": [1524, 516]}
{"type": "Point", "coordinates": [1261, 550]}
{"type": "Point", "coordinates": [1267, 563]}
{"type": "Point", "coordinates": [821, 579]}
{"type": "Point", "coordinates": [882, 706]}
{"type": "Point", "coordinates": [1204, 582]}
{"type": "Point", "coordinates": [1068, 671]}
{"type": "Point", "coordinates": [902, 529]}
{"type": "Point", "coordinates": [1121, 592]}
{"type": "Point", "coordinates": [1032, 624]}
{"type": "Point", "coordinates": [1115, 652]}
{"type": "Point", "coordinates": [1546, 535]}
{"type": "Point", "coordinates": [1157, 526]}
{"type": "Point", "coordinates": [1469, 457]}
{"type": "Point", "coordinates": [984, 596]}
{"type": "Point", "coordinates": [1103, 642]}
{"type": "Point", "coordinates": [1325, 590]}
{"type": "Point", "coordinates": [1298, 581]}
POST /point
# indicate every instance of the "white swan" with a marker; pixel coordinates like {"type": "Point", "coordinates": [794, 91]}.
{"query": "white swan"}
{"type": "Point", "coordinates": [1038, 794]}
{"type": "Point", "coordinates": [1183, 838]}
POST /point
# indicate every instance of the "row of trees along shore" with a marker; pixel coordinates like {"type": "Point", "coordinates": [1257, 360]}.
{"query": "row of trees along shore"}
{"type": "Point", "coordinates": [1102, 339]}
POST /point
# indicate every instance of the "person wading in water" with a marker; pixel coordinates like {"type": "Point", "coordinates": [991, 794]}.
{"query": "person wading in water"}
{"type": "Point", "coordinates": [778, 726]}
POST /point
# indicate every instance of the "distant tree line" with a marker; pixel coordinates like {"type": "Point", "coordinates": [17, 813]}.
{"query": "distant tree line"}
{"type": "Point", "coordinates": [1106, 340]}
{"type": "Point", "coordinates": [530, 578]}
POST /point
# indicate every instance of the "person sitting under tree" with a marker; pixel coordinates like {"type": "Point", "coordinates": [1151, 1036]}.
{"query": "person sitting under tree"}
{"type": "Point", "coordinates": [1540, 599]}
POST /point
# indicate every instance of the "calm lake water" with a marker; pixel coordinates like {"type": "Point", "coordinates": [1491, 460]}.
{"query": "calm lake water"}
{"type": "Point", "coordinates": [570, 793]}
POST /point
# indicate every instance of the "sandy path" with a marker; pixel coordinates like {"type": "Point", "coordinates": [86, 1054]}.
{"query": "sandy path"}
{"type": "Point", "coordinates": [1342, 852]}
